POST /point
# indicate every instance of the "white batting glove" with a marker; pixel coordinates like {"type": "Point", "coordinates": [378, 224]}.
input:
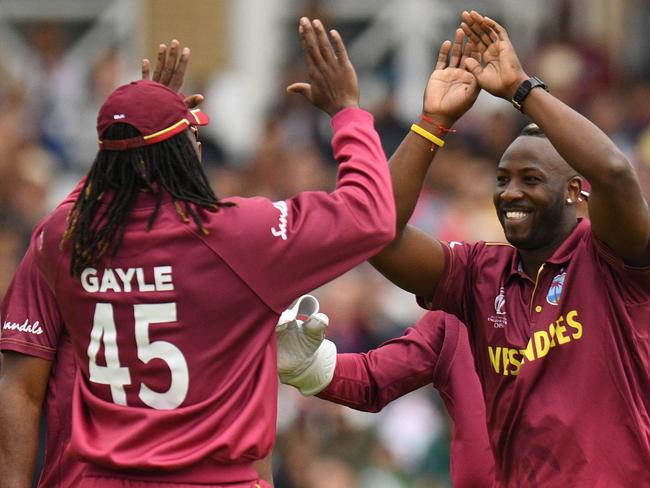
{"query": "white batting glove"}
{"type": "Point", "coordinates": [306, 359]}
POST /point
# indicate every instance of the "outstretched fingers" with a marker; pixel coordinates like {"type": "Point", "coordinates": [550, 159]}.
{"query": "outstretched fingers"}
{"type": "Point", "coordinates": [469, 51]}
{"type": "Point", "coordinates": [497, 28]}
{"type": "Point", "coordinates": [145, 68]}
{"type": "Point", "coordinates": [309, 41]}
{"type": "Point", "coordinates": [170, 63]}
{"type": "Point", "coordinates": [457, 49]}
{"type": "Point", "coordinates": [473, 37]}
{"type": "Point", "coordinates": [473, 28]}
{"type": "Point", "coordinates": [178, 74]}
{"type": "Point", "coordinates": [442, 55]}
{"type": "Point", "coordinates": [324, 46]}
{"type": "Point", "coordinates": [339, 47]}
{"type": "Point", "coordinates": [160, 62]}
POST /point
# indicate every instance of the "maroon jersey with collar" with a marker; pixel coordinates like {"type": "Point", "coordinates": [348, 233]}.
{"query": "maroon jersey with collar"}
{"type": "Point", "coordinates": [563, 359]}
{"type": "Point", "coordinates": [434, 351]}
{"type": "Point", "coordinates": [174, 341]}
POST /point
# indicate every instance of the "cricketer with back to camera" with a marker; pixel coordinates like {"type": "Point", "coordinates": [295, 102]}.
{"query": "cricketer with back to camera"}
{"type": "Point", "coordinates": [175, 355]}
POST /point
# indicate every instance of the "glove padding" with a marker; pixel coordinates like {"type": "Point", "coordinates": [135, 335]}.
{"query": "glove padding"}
{"type": "Point", "coordinates": [306, 359]}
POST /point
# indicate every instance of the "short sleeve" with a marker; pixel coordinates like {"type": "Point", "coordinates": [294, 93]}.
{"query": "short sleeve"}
{"type": "Point", "coordinates": [31, 322]}
{"type": "Point", "coordinates": [450, 293]}
{"type": "Point", "coordinates": [632, 282]}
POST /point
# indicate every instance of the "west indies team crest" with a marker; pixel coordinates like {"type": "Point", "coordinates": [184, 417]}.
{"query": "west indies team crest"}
{"type": "Point", "coordinates": [555, 290]}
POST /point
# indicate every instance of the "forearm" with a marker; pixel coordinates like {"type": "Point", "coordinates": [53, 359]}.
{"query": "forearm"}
{"type": "Point", "coordinates": [19, 425]}
{"type": "Point", "coordinates": [370, 381]}
{"type": "Point", "coordinates": [23, 381]}
{"type": "Point", "coordinates": [617, 207]}
{"type": "Point", "coordinates": [583, 145]}
{"type": "Point", "coordinates": [363, 180]}
{"type": "Point", "coordinates": [353, 387]}
{"type": "Point", "coordinates": [413, 260]}
{"type": "Point", "coordinates": [409, 166]}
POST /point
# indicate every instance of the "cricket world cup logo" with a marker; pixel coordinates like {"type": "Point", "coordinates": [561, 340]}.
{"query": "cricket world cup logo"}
{"type": "Point", "coordinates": [500, 302]}
{"type": "Point", "coordinates": [500, 320]}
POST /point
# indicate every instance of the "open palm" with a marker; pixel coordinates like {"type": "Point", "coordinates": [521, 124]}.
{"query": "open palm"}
{"type": "Point", "coordinates": [450, 92]}
{"type": "Point", "coordinates": [501, 72]}
{"type": "Point", "coordinates": [451, 89]}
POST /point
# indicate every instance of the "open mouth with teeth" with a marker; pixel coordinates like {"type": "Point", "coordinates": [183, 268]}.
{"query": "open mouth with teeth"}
{"type": "Point", "coordinates": [515, 215]}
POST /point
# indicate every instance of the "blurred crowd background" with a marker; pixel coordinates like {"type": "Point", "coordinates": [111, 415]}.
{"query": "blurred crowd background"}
{"type": "Point", "coordinates": [61, 58]}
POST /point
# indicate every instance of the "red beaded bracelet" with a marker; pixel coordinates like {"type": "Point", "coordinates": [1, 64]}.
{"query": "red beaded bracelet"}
{"type": "Point", "coordinates": [441, 128]}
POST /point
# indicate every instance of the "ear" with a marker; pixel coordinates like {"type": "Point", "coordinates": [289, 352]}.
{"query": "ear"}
{"type": "Point", "coordinates": [573, 188]}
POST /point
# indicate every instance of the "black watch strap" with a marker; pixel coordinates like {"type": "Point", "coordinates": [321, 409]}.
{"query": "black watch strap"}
{"type": "Point", "coordinates": [524, 89]}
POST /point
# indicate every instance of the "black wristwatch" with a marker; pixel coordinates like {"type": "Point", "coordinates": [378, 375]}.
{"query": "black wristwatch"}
{"type": "Point", "coordinates": [524, 89]}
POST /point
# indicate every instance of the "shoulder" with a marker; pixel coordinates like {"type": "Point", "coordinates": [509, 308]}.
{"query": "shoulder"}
{"type": "Point", "coordinates": [247, 214]}
{"type": "Point", "coordinates": [481, 252]}
{"type": "Point", "coordinates": [52, 227]}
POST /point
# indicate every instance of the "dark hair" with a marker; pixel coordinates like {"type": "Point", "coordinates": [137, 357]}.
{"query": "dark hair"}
{"type": "Point", "coordinates": [170, 166]}
{"type": "Point", "coordinates": [533, 130]}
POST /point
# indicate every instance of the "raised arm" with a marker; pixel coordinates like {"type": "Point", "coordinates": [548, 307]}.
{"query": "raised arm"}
{"type": "Point", "coordinates": [23, 381]}
{"type": "Point", "coordinates": [414, 261]}
{"type": "Point", "coordinates": [333, 82]}
{"type": "Point", "coordinates": [617, 208]}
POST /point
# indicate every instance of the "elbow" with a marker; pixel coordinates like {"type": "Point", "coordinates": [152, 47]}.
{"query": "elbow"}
{"type": "Point", "coordinates": [388, 233]}
{"type": "Point", "coordinates": [617, 171]}
{"type": "Point", "coordinates": [380, 224]}
{"type": "Point", "coordinates": [373, 215]}
{"type": "Point", "coordinates": [388, 228]}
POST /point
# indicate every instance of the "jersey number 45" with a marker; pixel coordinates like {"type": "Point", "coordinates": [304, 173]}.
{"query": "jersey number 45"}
{"type": "Point", "coordinates": [116, 376]}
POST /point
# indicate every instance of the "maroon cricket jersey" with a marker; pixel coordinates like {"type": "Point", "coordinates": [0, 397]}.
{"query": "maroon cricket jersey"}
{"type": "Point", "coordinates": [563, 360]}
{"type": "Point", "coordinates": [27, 308]}
{"type": "Point", "coordinates": [174, 341]}
{"type": "Point", "coordinates": [434, 351]}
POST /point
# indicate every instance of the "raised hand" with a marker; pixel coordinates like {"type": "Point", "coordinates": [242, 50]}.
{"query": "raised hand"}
{"type": "Point", "coordinates": [451, 89]}
{"type": "Point", "coordinates": [333, 82]}
{"type": "Point", "coordinates": [170, 70]}
{"type": "Point", "coordinates": [501, 72]}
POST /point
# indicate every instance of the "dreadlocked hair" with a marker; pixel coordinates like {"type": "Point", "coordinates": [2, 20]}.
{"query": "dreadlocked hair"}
{"type": "Point", "coordinates": [96, 230]}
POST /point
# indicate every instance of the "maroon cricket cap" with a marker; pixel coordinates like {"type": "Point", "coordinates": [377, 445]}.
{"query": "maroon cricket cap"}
{"type": "Point", "coordinates": [157, 112]}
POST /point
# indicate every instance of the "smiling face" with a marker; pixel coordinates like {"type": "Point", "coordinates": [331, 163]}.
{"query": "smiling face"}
{"type": "Point", "coordinates": [533, 184]}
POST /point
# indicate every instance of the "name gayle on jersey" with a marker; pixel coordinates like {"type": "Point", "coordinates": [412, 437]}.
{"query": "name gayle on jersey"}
{"type": "Point", "coordinates": [508, 361]}
{"type": "Point", "coordinates": [127, 280]}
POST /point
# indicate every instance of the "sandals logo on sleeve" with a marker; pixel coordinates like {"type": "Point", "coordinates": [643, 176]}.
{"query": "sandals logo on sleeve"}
{"type": "Point", "coordinates": [500, 320]}
{"type": "Point", "coordinates": [281, 230]}
{"type": "Point", "coordinates": [34, 328]}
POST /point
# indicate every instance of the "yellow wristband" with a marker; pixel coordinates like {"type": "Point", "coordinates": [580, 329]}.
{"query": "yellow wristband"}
{"type": "Point", "coordinates": [427, 135]}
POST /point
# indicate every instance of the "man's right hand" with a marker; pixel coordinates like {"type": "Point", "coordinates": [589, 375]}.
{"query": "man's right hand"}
{"type": "Point", "coordinates": [451, 90]}
{"type": "Point", "coordinates": [306, 359]}
{"type": "Point", "coordinates": [169, 72]}
{"type": "Point", "coordinates": [333, 82]}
